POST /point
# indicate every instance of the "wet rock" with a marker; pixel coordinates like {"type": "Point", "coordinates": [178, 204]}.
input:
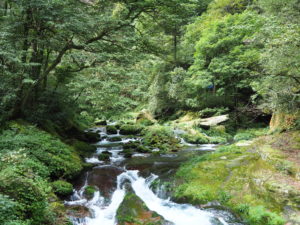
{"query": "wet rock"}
{"type": "Point", "coordinates": [213, 121]}
{"type": "Point", "coordinates": [92, 137]}
{"type": "Point", "coordinates": [134, 211]}
{"type": "Point", "coordinates": [78, 211]}
{"type": "Point", "coordinates": [101, 123]}
{"type": "Point", "coordinates": [105, 178]}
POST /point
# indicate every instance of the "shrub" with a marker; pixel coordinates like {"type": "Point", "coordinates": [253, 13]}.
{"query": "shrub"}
{"type": "Point", "coordinates": [60, 159]}
{"type": "Point", "coordinates": [83, 148]}
{"type": "Point", "coordinates": [62, 188]}
{"type": "Point", "coordinates": [9, 209]}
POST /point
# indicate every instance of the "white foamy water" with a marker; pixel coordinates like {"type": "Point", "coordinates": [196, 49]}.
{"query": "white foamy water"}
{"type": "Point", "coordinates": [178, 214]}
{"type": "Point", "coordinates": [103, 211]}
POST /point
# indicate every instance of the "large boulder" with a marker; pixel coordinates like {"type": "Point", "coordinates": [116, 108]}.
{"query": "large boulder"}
{"type": "Point", "coordinates": [145, 118]}
{"type": "Point", "coordinates": [283, 121]}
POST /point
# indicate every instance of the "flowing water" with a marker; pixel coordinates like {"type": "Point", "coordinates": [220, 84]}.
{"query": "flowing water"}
{"type": "Point", "coordinates": [140, 173]}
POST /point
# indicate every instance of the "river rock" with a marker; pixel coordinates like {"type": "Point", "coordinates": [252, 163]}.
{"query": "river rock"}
{"type": "Point", "coordinates": [105, 178]}
{"type": "Point", "coordinates": [213, 121]}
{"type": "Point", "coordinates": [134, 211]}
{"type": "Point", "coordinates": [78, 211]}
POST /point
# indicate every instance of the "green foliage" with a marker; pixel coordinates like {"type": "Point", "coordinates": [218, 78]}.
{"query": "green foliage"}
{"type": "Point", "coordinates": [60, 159]}
{"type": "Point", "coordinates": [260, 216]}
{"type": "Point", "coordinates": [249, 134]}
{"type": "Point", "coordinates": [62, 188]}
{"type": "Point", "coordinates": [29, 158]}
{"type": "Point", "coordinates": [243, 136]}
{"type": "Point", "coordinates": [9, 209]}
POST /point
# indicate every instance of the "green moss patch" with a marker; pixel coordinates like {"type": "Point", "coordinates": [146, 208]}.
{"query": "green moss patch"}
{"type": "Point", "coordinates": [247, 179]}
{"type": "Point", "coordinates": [134, 211]}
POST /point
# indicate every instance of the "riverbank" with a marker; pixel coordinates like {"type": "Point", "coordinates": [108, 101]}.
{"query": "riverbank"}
{"type": "Point", "coordinates": [258, 180]}
{"type": "Point", "coordinates": [35, 170]}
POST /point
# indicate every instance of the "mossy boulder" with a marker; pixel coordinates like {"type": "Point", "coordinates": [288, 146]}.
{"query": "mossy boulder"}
{"type": "Point", "coordinates": [111, 130]}
{"type": "Point", "coordinates": [104, 156]}
{"type": "Point", "coordinates": [131, 145]}
{"type": "Point", "coordinates": [78, 211]}
{"type": "Point", "coordinates": [131, 129]}
{"type": "Point", "coordinates": [92, 137]}
{"type": "Point", "coordinates": [89, 191]}
{"type": "Point", "coordinates": [134, 211]}
{"type": "Point", "coordinates": [127, 153]}
{"type": "Point", "coordinates": [115, 139]}
{"type": "Point", "coordinates": [160, 137]}
{"type": "Point", "coordinates": [196, 138]}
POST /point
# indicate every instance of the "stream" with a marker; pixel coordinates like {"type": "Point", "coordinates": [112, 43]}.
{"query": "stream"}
{"type": "Point", "coordinates": [140, 172]}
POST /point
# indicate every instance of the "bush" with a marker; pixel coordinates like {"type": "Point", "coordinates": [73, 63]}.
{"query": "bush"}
{"type": "Point", "coordinates": [111, 130]}
{"type": "Point", "coordinates": [59, 159]}
{"type": "Point", "coordinates": [9, 209]}
{"type": "Point", "coordinates": [62, 188]}
{"type": "Point", "coordinates": [130, 129]}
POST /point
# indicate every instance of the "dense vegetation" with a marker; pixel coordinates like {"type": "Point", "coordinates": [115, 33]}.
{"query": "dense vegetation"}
{"type": "Point", "coordinates": [66, 64]}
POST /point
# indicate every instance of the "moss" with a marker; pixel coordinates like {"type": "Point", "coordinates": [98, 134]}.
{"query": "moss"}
{"type": "Point", "coordinates": [111, 130]}
{"type": "Point", "coordinates": [62, 188]}
{"type": "Point", "coordinates": [134, 211]}
{"type": "Point", "coordinates": [196, 138]}
{"type": "Point", "coordinates": [90, 191]}
{"type": "Point", "coordinates": [242, 178]}
{"type": "Point", "coordinates": [145, 122]}
{"type": "Point", "coordinates": [131, 129]}
{"type": "Point", "coordinates": [115, 139]}
{"type": "Point", "coordinates": [104, 157]}
{"type": "Point", "coordinates": [160, 137]}
{"type": "Point", "coordinates": [127, 153]}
